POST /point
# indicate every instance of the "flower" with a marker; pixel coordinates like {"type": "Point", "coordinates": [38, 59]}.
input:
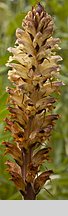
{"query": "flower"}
{"type": "Point", "coordinates": [34, 70]}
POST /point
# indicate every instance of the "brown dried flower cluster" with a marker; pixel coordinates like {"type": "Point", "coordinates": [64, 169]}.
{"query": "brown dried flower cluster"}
{"type": "Point", "coordinates": [33, 72]}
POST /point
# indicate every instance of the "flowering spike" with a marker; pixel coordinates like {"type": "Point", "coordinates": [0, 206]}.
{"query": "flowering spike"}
{"type": "Point", "coordinates": [34, 70]}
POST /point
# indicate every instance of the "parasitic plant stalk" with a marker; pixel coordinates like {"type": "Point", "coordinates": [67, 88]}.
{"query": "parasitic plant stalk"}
{"type": "Point", "coordinates": [33, 73]}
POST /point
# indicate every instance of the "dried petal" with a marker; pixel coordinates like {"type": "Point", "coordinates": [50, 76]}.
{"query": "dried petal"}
{"type": "Point", "coordinates": [41, 179]}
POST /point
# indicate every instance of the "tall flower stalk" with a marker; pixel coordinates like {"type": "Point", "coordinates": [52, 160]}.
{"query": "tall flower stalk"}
{"type": "Point", "coordinates": [33, 73]}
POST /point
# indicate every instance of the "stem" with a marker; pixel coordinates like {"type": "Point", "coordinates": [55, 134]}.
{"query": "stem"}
{"type": "Point", "coordinates": [30, 195]}
{"type": "Point", "coordinates": [26, 155]}
{"type": "Point", "coordinates": [23, 170]}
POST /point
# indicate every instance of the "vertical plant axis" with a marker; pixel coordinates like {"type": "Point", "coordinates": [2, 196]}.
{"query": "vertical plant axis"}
{"type": "Point", "coordinates": [34, 76]}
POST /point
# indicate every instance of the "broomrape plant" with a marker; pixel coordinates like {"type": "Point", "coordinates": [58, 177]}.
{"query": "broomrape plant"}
{"type": "Point", "coordinates": [33, 73]}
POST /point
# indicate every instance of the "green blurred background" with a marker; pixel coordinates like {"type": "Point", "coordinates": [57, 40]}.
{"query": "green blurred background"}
{"type": "Point", "coordinates": [11, 14]}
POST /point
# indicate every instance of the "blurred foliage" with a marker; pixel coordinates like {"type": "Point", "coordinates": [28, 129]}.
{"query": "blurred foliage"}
{"type": "Point", "coordinates": [11, 14]}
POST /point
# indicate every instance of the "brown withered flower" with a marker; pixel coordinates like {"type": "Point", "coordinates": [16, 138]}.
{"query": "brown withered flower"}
{"type": "Point", "coordinates": [33, 73]}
